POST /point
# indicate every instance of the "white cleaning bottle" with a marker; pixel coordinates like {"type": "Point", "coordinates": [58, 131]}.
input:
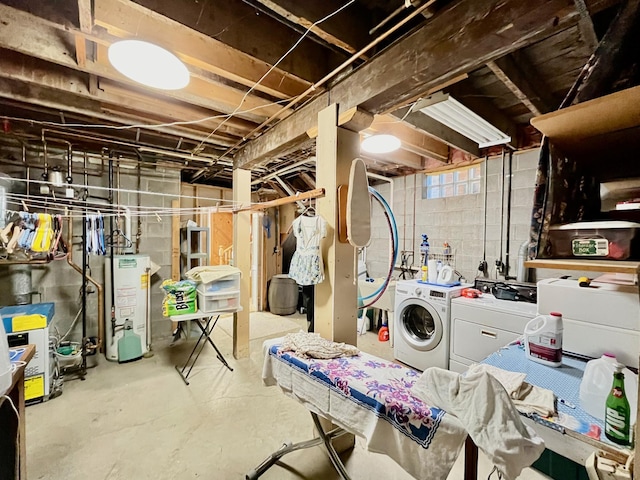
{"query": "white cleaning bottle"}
{"type": "Point", "coordinates": [5, 361]}
{"type": "Point", "coordinates": [543, 339]}
{"type": "Point", "coordinates": [594, 387]}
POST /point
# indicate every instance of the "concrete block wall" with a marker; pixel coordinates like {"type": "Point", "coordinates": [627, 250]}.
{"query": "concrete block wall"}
{"type": "Point", "coordinates": [58, 282]}
{"type": "Point", "coordinates": [459, 220]}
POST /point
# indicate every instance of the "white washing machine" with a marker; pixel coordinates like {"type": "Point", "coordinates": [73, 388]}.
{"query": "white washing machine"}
{"type": "Point", "coordinates": [421, 317]}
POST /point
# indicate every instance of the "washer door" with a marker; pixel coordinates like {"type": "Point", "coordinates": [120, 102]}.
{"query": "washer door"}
{"type": "Point", "coordinates": [419, 324]}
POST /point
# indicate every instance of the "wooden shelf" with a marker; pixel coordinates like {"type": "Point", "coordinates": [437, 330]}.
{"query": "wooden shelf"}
{"type": "Point", "coordinates": [603, 129]}
{"type": "Point", "coordinates": [612, 266]}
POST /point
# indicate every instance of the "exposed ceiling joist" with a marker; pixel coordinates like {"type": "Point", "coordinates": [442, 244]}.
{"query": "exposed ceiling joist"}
{"type": "Point", "coordinates": [339, 30]}
{"type": "Point", "coordinates": [462, 37]}
{"type": "Point", "coordinates": [412, 139]}
{"type": "Point", "coordinates": [585, 25]}
{"type": "Point", "coordinates": [519, 77]}
{"type": "Point", "coordinates": [126, 19]}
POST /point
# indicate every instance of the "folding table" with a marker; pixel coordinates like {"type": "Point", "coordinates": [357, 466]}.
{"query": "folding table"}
{"type": "Point", "coordinates": [211, 319]}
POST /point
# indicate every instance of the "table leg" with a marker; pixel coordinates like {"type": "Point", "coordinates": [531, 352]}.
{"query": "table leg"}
{"type": "Point", "coordinates": [199, 343]}
{"type": "Point", "coordinates": [207, 334]}
{"type": "Point", "coordinates": [470, 460]}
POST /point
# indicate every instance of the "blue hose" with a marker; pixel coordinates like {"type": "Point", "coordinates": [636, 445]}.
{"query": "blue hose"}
{"type": "Point", "coordinates": [394, 231]}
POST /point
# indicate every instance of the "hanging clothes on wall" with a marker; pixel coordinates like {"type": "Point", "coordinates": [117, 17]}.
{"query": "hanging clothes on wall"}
{"type": "Point", "coordinates": [307, 267]}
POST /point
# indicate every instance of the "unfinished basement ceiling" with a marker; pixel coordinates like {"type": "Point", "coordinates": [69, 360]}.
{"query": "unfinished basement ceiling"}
{"type": "Point", "coordinates": [504, 60]}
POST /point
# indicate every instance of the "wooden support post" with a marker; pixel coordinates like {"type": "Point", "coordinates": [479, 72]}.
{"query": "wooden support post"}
{"type": "Point", "coordinates": [242, 260]}
{"type": "Point", "coordinates": [336, 298]}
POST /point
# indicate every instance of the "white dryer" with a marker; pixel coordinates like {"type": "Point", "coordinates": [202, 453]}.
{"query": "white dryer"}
{"type": "Point", "coordinates": [421, 317]}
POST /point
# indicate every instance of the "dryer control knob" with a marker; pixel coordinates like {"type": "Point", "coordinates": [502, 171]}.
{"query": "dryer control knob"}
{"type": "Point", "coordinates": [418, 292]}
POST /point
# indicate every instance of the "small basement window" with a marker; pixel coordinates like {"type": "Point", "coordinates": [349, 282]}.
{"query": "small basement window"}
{"type": "Point", "coordinates": [452, 183]}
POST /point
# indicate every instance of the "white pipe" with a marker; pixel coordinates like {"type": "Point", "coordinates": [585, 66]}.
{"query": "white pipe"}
{"type": "Point", "coordinates": [384, 179]}
{"type": "Point", "coordinates": [256, 249]}
{"type": "Point", "coordinates": [523, 252]}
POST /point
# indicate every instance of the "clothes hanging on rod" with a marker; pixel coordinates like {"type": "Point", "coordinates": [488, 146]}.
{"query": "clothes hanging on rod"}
{"type": "Point", "coordinates": [307, 267]}
{"type": "Point", "coordinates": [94, 225]}
{"type": "Point", "coordinates": [35, 236]}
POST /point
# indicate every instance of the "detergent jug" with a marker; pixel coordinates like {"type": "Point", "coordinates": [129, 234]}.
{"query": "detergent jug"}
{"type": "Point", "coordinates": [543, 339]}
{"type": "Point", "coordinates": [595, 386]}
{"type": "Point", "coordinates": [5, 361]}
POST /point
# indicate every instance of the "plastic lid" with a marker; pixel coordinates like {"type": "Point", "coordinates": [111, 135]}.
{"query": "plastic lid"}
{"type": "Point", "coordinates": [609, 355]}
{"type": "Point", "coordinates": [618, 367]}
{"type": "Point", "coordinates": [555, 314]}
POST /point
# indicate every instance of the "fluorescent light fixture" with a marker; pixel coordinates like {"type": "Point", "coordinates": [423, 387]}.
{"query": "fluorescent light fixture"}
{"type": "Point", "coordinates": [448, 111]}
{"type": "Point", "coordinates": [148, 64]}
{"type": "Point", "coordinates": [380, 144]}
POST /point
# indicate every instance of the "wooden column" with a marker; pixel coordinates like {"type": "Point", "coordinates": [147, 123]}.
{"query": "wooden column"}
{"type": "Point", "coordinates": [242, 259]}
{"type": "Point", "coordinates": [336, 298]}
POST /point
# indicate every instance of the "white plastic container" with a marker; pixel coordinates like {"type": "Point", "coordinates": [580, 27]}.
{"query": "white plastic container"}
{"type": "Point", "coordinates": [596, 385]}
{"type": "Point", "coordinates": [212, 302]}
{"type": "Point", "coordinates": [5, 361]}
{"type": "Point", "coordinates": [229, 283]}
{"type": "Point", "coordinates": [543, 339]}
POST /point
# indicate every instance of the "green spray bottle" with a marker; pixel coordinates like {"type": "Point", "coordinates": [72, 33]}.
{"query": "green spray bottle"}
{"type": "Point", "coordinates": [617, 413]}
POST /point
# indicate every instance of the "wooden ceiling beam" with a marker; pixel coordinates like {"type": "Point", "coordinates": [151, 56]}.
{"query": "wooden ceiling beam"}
{"type": "Point", "coordinates": [61, 101]}
{"type": "Point", "coordinates": [346, 30]}
{"type": "Point", "coordinates": [412, 139]}
{"type": "Point", "coordinates": [463, 36]}
{"type": "Point", "coordinates": [72, 85]}
{"type": "Point", "coordinates": [126, 19]}
{"type": "Point", "coordinates": [38, 38]}
{"type": "Point", "coordinates": [585, 24]}
{"type": "Point", "coordinates": [520, 78]}
{"type": "Point", "coordinates": [399, 157]}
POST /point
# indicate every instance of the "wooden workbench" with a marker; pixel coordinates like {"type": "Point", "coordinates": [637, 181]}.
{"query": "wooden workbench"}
{"type": "Point", "coordinates": [13, 464]}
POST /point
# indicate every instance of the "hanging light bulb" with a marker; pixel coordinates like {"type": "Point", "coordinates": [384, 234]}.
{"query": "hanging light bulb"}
{"type": "Point", "coordinates": [148, 64]}
{"type": "Point", "coordinates": [382, 143]}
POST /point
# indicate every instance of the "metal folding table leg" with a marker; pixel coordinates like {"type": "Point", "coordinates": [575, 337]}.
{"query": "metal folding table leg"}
{"type": "Point", "coordinates": [323, 438]}
{"type": "Point", "coordinates": [206, 331]}
{"type": "Point", "coordinates": [198, 347]}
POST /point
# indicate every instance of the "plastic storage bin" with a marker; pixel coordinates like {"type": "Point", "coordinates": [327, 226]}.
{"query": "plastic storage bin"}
{"type": "Point", "coordinates": [212, 302]}
{"type": "Point", "coordinates": [615, 240]}
{"type": "Point", "coordinates": [229, 283]}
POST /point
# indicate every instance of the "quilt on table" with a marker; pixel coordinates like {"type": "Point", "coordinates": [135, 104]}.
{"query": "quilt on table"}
{"type": "Point", "coordinates": [371, 397]}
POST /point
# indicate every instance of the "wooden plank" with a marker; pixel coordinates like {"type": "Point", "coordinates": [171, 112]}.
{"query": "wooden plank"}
{"type": "Point", "coordinates": [478, 31]}
{"type": "Point", "coordinates": [528, 88]}
{"type": "Point", "coordinates": [126, 19]}
{"type": "Point", "coordinates": [412, 139]}
{"type": "Point", "coordinates": [346, 30]}
{"type": "Point", "coordinates": [238, 25]}
{"type": "Point", "coordinates": [38, 38]}
{"type": "Point", "coordinates": [335, 298]}
{"type": "Point", "coordinates": [316, 193]}
{"type": "Point", "coordinates": [354, 119]}
{"type": "Point", "coordinates": [585, 25]}
{"type": "Point", "coordinates": [586, 265]}
{"type": "Point", "coordinates": [599, 117]}
{"type": "Point", "coordinates": [81, 51]}
{"type": "Point", "coordinates": [242, 260]}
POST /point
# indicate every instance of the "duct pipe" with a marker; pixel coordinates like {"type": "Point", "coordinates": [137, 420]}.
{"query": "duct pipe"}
{"type": "Point", "coordinates": [19, 282]}
{"type": "Point", "coordinates": [523, 252]}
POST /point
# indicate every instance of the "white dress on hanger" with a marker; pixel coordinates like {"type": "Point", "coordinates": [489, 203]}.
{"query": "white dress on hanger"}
{"type": "Point", "coordinates": [307, 267]}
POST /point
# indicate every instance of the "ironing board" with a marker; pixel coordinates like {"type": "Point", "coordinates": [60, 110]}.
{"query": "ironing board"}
{"type": "Point", "coordinates": [369, 397]}
{"type": "Point", "coordinates": [210, 321]}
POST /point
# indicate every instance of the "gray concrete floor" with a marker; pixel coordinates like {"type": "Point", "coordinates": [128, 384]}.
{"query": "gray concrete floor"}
{"type": "Point", "coordinates": [140, 421]}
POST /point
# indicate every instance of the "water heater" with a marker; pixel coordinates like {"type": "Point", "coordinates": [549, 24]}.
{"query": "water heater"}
{"type": "Point", "coordinates": [131, 299]}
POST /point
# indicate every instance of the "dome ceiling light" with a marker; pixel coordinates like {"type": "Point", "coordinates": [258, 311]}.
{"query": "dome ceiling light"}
{"type": "Point", "coordinates": [382, 143]}
{"type": "Point", "coordinates": [148, 64]}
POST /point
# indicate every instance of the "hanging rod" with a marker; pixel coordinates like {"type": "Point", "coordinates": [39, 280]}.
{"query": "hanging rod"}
{"type": "Point", "coordinates": [316, 193]}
